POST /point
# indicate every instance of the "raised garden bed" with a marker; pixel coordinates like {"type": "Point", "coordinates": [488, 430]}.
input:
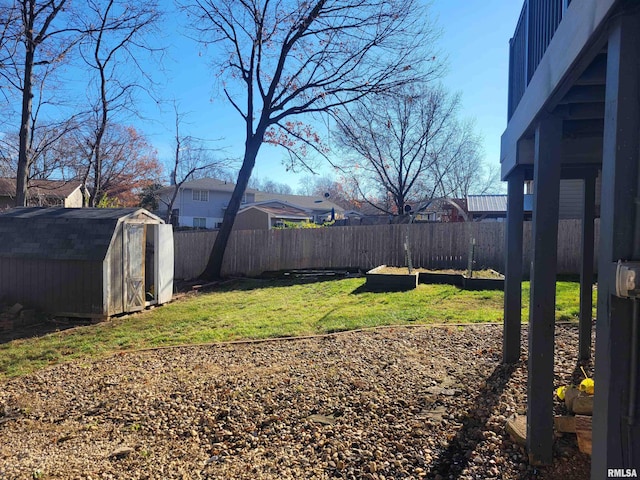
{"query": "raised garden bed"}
{"type": "Point", "coordinates": [390, 279]}
{"type": "Point", "coordinates": [392, 276]}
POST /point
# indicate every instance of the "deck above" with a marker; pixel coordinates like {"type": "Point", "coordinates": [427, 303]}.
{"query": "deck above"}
{"type": "Point", "coordinates": [558, 64]}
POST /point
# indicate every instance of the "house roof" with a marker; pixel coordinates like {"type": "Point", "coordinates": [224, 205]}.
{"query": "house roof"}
{"type": "Point", "coordinates": [314, 203]}
{"type": "Point", "coordinates": [486, 203]}
{"type": "Point", "coordinates": [206, 184]}
{"type": "Point", "coordinates": [63, 233]}
{"type": "Point", "coordinates": [279, 211]}
{"type": "Point", "coordinates": [60, 189]}
{"type": "Point", "coordinates": [493, 203]}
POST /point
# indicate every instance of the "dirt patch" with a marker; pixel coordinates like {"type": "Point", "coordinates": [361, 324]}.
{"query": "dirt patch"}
{"type": "Point", "coordinates": [388, 403]}
{"type": "Point", "coordinates": [476, 273]}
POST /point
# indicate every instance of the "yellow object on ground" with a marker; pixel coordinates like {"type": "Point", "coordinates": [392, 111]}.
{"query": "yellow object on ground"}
{"type": "Point", "coordinates": [561, 391]}
{"type": "Point", "coordinates": [587, 386]}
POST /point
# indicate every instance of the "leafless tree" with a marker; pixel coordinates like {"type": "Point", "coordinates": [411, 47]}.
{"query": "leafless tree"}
{"type": "Point", "coordinates": [41, 33]}
{"type": "Point", "coordinates": [342, 191]}
{"type": "Point", "coordinates": [129, 163]}
{"type": "Point", "coordinates": [269, 186]}
{"type": "Point", "coordinates": [116, 32]}
{"type": "Point", "coordinates": [8, 39]}
{"type": "Point", "coordinates": [47, 144]}
{"type": "Point", "coordinates": [407, 147]}
{"type": "Point", "coordinates": [192, 159]}
{"type": "Point", "coordinates": [286, 58]}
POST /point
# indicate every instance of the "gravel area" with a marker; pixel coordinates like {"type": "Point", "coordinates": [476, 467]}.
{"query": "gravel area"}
{"type": "Point", "coordinates": [423, 402]}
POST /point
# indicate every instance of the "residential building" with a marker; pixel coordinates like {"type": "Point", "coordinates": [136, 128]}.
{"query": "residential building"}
{"type": "Point", "coordinates": [43, 193]}
{"type": "Point", "coordinates": [267, 215]}
{"type": "Point", "coordinates": [320, 208]}
{"type": "Point", "coordinates": [574, 114]}
{"type": "Point", "coordinates": [201, 204]}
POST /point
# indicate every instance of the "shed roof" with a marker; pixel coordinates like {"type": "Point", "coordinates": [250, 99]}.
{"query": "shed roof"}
{"type": "Point", "coordinates": [63, 233]}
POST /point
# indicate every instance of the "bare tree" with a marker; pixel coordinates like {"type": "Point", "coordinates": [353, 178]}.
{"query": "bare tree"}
{"type": "Point", "coordinates": [42, 32]}
{"type": "Point", "coordinates": [407, 147]}
{"type": "Point", "coordinates": [269, 186]}
{"type": "Point", "coordinates": [129, 163]}
{"type": "Point", "coordinates": [285, 58]}
{"type": "Point", "coordinates": [192, 159]}
{"type": "Point", "coordinates": [342, 191]}
{"type": "Point", "coordinates": [116, 33]}
{"type": "Point", "coordinates": [47, 144]}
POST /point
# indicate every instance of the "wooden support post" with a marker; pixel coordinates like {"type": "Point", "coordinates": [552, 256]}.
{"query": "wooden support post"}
{"type": "Point", "coordinates": [616, 442]}
{"type": "Point", "coordinates": [513, 268]}
{"type": "Point", "coordinates": [546, 196]}
{"type": "Point", "coordinates": [586, 267]}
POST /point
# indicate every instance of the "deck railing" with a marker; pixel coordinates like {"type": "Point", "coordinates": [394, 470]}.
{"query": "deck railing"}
{"type": "Point", "coordinates": [538, 21]}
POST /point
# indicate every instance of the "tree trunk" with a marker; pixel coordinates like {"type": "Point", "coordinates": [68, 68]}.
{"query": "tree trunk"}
{"type": "Point", "coordinates": [25, 130]}
{"type": "Point", "coordinates": [214, 266]}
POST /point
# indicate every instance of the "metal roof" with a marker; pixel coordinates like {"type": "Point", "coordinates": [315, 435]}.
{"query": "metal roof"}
{"type": "Point", "coordinates": [494, 203]}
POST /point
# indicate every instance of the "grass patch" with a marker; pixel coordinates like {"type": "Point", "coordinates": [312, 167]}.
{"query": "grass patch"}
{"type": "Point", "coordinates": [255, 309]}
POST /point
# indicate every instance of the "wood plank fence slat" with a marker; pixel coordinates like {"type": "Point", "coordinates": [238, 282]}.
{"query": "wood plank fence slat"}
{"type": "Point", "coordinates": [433, 245]}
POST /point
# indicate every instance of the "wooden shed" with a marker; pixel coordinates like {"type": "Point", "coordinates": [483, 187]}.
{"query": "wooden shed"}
{"type": "Point", "coordinates": [85, 262]}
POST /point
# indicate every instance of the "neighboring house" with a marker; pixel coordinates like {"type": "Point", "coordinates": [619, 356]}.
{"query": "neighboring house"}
{"type": "Point", "coordinates": [266, 215]}
{"type": "Point", "coordinates": [43, 193]}
{"type": "Point", "coordinates": [201, 204]}
{"type": "Point", "coordinates": [574, 114]}
{"type": "Point", "coordinates": [321, 209]}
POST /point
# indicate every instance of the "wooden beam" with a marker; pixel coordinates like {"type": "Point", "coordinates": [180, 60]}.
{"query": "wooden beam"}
{"type": "Point", "coordinates": [582, 150]}
{"type": "Point", "coordinates": [513, 267]}
{"type": "Point", "coordinates": [576, 42]}
{"type": "Point", "coordinates": [596, 72]}
{"type": "Point", "coordinates": [583, 94]}
{"type": "Point", "coordinates": [616, 442]}
{"type": "Point", "coordinates": [546, 198]}
{"type": "Point", "coordinates": [581, 111]}
{"type": "Point", "coordinates": [586, 266]}
{"type": "Point", "coordinates": [574, 150]}
{"type": "Point", "coordinates": [583, 128]}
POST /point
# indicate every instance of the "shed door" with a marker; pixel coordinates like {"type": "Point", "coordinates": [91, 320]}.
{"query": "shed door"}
{"type": "Point", "coordinates": [163, 235]}
{"type": "Point", "coordinates": [134, 266]}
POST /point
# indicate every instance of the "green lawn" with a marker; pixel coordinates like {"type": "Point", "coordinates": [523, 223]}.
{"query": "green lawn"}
{"type": "Point", "coordinates": [253, 309]}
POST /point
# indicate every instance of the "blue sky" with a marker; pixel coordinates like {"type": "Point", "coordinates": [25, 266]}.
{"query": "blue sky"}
{"type": "Point", "coordinates": [475, 39]}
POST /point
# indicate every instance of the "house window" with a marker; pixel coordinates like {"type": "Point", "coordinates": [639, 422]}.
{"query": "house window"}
{"type": "Point", "coordinates": [201, 195]}
{"type": "Point", "coordinates": [218, 225]}
{"type": "Point", "coordinates": [199, 222]}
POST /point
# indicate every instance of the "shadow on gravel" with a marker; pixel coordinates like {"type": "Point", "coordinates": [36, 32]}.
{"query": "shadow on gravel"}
{"type": "Point", "coordinates": [577, 376]}
{"type": "Point", "coordinates": [452, 459]}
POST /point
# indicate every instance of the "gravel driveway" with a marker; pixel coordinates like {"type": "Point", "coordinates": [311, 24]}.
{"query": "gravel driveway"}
{"type": "Point", "coordinates": [423, 402]}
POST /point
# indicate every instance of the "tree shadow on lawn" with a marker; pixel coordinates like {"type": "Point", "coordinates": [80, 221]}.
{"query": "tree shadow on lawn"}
{"type": "Point", "coordinates": [453, 458]}
{"type": "Point", "coordinates": [246, 284]}
{"type": "Point", "coordinates": [13, 330]}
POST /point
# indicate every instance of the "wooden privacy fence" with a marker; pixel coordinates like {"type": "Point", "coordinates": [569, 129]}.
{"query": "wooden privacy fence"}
{"type": "Point", "coordinates": [432, 245]}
